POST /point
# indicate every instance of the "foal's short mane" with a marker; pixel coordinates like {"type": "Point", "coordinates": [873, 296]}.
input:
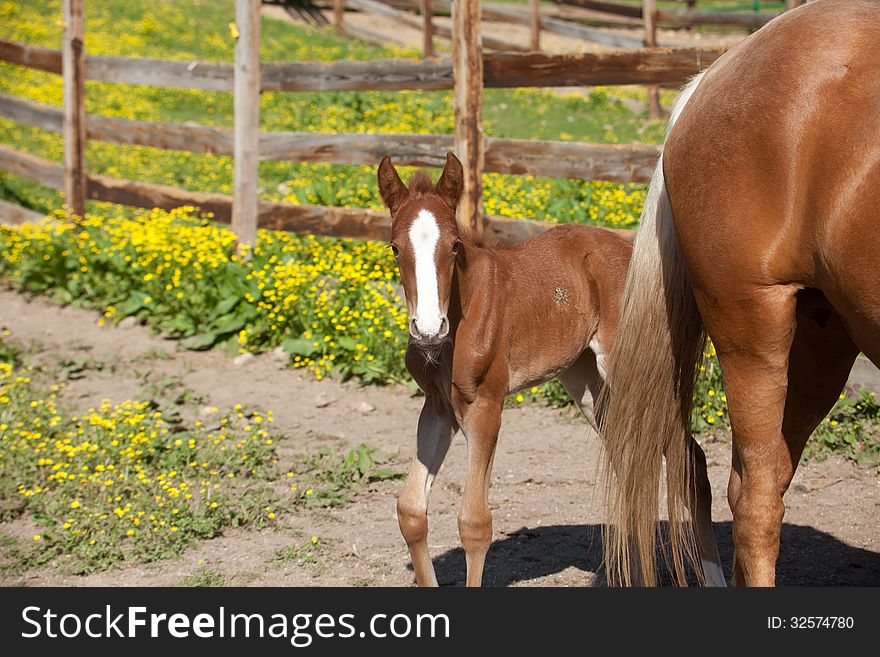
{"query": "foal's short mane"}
{"type": "Point", "coordinates": [420, 183]}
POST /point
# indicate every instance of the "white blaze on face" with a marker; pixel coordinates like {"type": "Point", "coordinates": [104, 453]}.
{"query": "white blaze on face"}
{"type": "Point", "coordinates": [424, 234]}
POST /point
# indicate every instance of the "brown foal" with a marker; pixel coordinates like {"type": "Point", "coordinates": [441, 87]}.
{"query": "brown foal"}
{"type": "Point", "coordinates": [486, 321]}
{"type": "Point", "coordinates": [761, 229]}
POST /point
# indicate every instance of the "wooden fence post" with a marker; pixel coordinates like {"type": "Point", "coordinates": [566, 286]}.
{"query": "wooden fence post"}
{"type": "Point", "coordinates": [339, 16]}
{"type": "Point", "coordinates": [535, 24]}
{"type": "Point", "coordinates": [427, 9]}
{"type": "Point", "coordinates": [247, 120]}
{"type": "Point", "coordinates": [791, 4]}
{"type": "Point", "coordinates": [73, 59]}
{"type": "Point", "coordinates": [649, 16]}
{"type": "Point", "coordinates": [467, 58]}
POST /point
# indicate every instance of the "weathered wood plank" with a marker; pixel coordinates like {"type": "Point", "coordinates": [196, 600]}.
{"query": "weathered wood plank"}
{"type": "Point", "coordinates": [339, 16]}
{"type": "Point", "coordinates": [678, 17]}
{"type": "Point", "coordinates": [552, 159]}
{"type": "Point", "coordinates": [637, 66]}
{"type": "Point", "coordinates": [386, 11]}
{"type": "Point", "coordinates": [12, 214]}
{"type": "Point", "coordinates": [43, 59]}
{"type": "Point", "coordinates": [383, 10]}
{"type": "Point", "coordinates": [468, 110]}
{"type": "Point", "coordinates": [557, 159]}
{"type": "Point", "coordinates": [247, 120]}
{"type": "Point", "coordinates": [341, 222]}
{"type": "Point", "coordinates": [20, 110]}
{"type": "Point", "coordinates": [32, 167]}
{"type": "Point", "coordinates": [590, 17]}
{"type": "Point", "coordinates": [384, 74]}
{"type": "Point", "coordinates": [632, 11]}
{"type": "Point", "coordinates": [174, 136]}
{"type": "Point", "coordinates": [426, 8]}
{"type": "Point", "coordinates": [211, 76]}
{"type": "Point", "coordinates": [654, 66]}
{"type": "Point", "coordinates": [514, 14]}
{"type": "Point", "coordinates": [207, 76]}
{"type": "Point", "coordinates": [690, 17]}
{"type": "Point", "coordinates": [649, 14]}
{"type": "Point", "coordinates": [534, 24]}
{"type": "Point", "coordinates": [73, 59]}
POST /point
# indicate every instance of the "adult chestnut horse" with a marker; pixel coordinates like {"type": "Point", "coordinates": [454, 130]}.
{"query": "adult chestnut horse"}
{"type": "Point", "coordinates": [488, 320]}
{"type": "Point", "coordinates": [761, 229]}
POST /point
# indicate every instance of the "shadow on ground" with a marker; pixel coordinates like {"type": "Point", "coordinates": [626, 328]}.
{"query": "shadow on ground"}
{"type": "Point", "coordinates": [809, 557]}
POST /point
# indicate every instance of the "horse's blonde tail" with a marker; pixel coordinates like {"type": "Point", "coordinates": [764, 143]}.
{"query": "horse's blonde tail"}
{"type": "Point", "coordinates": [658, 345]}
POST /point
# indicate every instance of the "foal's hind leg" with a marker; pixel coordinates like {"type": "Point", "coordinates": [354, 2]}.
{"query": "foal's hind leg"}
{"type": "Point", "coordinates": [436, 428]}
{"type": "Point", "coordinates": [583, 382]}
{"type": "Point", "coordinates": [820, 360]}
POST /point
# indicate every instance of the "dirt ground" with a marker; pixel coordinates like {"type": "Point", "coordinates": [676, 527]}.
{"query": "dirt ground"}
{"type": "Point", "coordinates": [546, 505]}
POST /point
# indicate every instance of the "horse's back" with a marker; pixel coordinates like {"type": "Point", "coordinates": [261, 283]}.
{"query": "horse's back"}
{"type": "Point", "coordinates": [773, 168]}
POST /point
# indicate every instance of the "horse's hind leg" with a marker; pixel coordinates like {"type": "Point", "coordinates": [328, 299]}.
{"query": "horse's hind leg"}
{"type": "Point", "coordinates": [582, 382]}
{"type": "Point", "coordinates": [436, 428]}
{"type": "Point", "coordinates": [820, 360]}
{"type": "Point", "coordinates": [713, 574]}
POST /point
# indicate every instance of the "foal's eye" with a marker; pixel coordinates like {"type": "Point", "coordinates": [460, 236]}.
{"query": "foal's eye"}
{"type": "Point", "coordinates": [394, 250]}
{"type": "Point", "coordinates": [455, 248]}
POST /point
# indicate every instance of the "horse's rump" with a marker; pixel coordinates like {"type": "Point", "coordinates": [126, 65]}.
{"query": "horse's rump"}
{"type": "Point", "coordinates": [769, 184]}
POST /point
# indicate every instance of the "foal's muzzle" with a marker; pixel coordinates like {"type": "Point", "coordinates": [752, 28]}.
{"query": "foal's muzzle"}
{"type": "Point", "coordinates": [427, 339]}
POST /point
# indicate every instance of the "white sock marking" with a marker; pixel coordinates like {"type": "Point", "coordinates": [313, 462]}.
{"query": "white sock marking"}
{"type": "Point", "coordinates": [424, 234]}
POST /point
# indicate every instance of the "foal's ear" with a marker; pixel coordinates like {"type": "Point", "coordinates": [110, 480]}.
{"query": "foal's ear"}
{"type": "Point", "coordinates": [391, 187]}
{"type": "Point", "coordinates": [451, 182]}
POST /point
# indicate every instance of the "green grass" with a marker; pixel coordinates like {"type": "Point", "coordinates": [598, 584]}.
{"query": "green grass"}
{"type": "Point", "coordinates": [135, 482]}
{"type": "Point", "coordinates": [202, 578]}
{"type": "Point", "coordinates": [851, 429]}
{"type": "Point", "coordinates": [332, 478]}
{"type": "Point", "coordinates": [307, 553]}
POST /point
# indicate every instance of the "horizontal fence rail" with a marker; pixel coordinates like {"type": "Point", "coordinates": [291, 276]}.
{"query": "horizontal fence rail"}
{"type": "Point", "coordinates": [356, 223]}
{"type": "Point", "coordinates": [619, 67]}
{"type": "Point", "coordinates": [678, 17]}
{"type": "Point", "coordinates": [12, 214]}
{"type": "Point", "coordinates": [552, 159]}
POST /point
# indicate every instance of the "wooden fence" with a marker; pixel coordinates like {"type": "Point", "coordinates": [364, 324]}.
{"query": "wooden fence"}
{"type": "Point", "coordinates": [468, 72]}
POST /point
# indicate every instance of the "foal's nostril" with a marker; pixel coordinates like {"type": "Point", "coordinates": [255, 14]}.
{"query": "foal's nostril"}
{"type": "Point", "coordinates": [414, 329]}
{"type": "Point", "coordinates": [444, 327]}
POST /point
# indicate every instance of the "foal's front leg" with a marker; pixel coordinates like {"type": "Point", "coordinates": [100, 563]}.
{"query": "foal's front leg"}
{"type": "Point", "coordinates": [436, 428]}
{"type": "Point", "coordinates": [480, 425]}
